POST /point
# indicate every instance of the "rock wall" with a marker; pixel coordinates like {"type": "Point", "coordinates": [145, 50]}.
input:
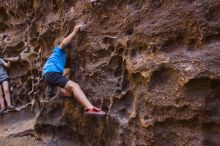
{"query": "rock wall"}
{"type": "Point", "coordinates": [153, 65]}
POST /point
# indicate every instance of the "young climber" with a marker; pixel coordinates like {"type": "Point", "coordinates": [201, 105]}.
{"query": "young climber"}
{"type": "Point", "coordinates": [4, 81]}
{"type": "Point", "coordinates": [53, 74]}
{"type": "Point", "coordinates": [51, 91]}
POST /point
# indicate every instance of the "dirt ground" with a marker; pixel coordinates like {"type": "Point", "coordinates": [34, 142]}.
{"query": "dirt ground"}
{"type": "Point", "coordinates": [20, 141]}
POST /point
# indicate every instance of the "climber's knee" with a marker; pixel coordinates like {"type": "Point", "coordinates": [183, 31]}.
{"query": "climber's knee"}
{"type": "Point", "coordinates": [72, 85]}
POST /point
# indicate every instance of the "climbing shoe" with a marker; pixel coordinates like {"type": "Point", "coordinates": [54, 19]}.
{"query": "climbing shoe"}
{"type": "Point", "coordinates": [2, 110]}
{"type": "Point", "coordinates": [95, 112]}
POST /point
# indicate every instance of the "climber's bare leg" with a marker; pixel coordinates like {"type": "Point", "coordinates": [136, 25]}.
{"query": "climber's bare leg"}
{"type": "Point", "coordinates": [78, 93]}
{"type": "Point", "coordinates": [5, 85]}
{"type": "Point", "coordinates": [90, 110]}
{"type": "Point", "coordinates": [2, 102]}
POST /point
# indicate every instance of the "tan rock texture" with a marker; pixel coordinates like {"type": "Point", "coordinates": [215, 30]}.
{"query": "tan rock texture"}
{"type": "Point", "coordinates": [153, 65]}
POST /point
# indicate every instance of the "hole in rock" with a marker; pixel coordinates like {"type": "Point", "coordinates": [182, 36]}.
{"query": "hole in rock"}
{"type": "Point", "coordinates": [123, 105]}
{"type": "Point", "coordinates": [206, 91]}
{"type": "Point", "coordinates": [138, 78]}
{"type": "Point", "coordinates": [115, 62]}
{"type": "Point", "coordinates": [173, 44]}
{"type": "Point", "coordinates": [163, 86]}
{"type": "Point", "coordinates": [129, 31]}
{"type": "Point", "coordinates": [163, 78]}
{"type": "Point", "coordinates": [105, 104]}
{"type": "Point", "coordinates": [3, 26]}
{"type": "Point", "coordinates": [69, 3]}
{"type": "Point", "coordinates": [211, 134]}
{"type": "Point", "coordinates": [55, 5]}
{"type": "Point", "coordinates": [12, 13]}
{"type": "Point", "coordinates": [213, 13]}
{"type": "Point", "coordinates": [125, 81]}
{"type": "Point", "coordinates": [120, 51]}
{"type": "Point", "coordinates": [36, 49]}
{"type": "Point", "coordinates": [115, 66]}
{"type": "Point", "coordinates": [146, 117]}
{"type": "Point", "coordinates": [4, 15]}
{"type": "Point", "coordinates": [198, 87]}
{"type": "Point", "coordinates": [118, 91]}
{"type": "Point", "coordinates": [111, 48]}
{"type": "Point", "coordinates": [32, 57]}
{"type": "Point", "coordinates": [23, 98]}
{"type": "Point", "coordinates": [118, 72]}
{"type": "Point", "coordinates": [216, 87]}
{"type": "Point", "coordinates": [35, 72]}
{"type": "Point", "coordinates": [28, 85]}
{"type": "Point", "coordinates": [34, 42]}
{"type": "Point", "coordinates": [108, 40]}
{"type": "Point", "coordinates": [156, 3]}
{"type": "Point", "coordinates": [102, 53]}
{"type": "Point", "coordinates": [19, 68]}
{"type": "Point", "coordinates": [192, 44]}
{"type": "Point", "coordinates": [25, 77]}
{"type": "Point", "coordinates": [129, 2]}
{"type": "Point", "coordinates": [133, 53]}
{"type": "Point", "coordinates": [12, 51]}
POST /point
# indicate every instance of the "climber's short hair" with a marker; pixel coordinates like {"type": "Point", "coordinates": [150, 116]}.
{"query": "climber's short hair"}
{"type": "Point", "coordinates": [58, 41]}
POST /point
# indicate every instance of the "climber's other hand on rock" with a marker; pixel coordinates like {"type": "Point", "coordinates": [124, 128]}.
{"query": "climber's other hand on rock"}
{"type": "Point", "coordinates": [68, 39]}
{"type": "Point", "coordinates": [77, 27]}
{"type": "Point", "coordinates": [12, 59]}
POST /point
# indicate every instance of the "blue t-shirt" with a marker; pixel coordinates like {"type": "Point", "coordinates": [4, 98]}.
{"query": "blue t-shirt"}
{"type": "Point", "coordinates": [56, 61]}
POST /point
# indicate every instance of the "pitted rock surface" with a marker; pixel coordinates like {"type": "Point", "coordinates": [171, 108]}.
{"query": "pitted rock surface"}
{"type": "Point", "coordinates": [153, 65]}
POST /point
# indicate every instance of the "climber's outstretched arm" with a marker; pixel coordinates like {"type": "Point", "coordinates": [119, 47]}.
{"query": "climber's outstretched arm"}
{"type": "Point", "coordinates": [68, 39]}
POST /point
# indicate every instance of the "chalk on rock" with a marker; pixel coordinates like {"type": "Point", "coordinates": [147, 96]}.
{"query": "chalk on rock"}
{"type": "Point", "coordinates": [83, 27]}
